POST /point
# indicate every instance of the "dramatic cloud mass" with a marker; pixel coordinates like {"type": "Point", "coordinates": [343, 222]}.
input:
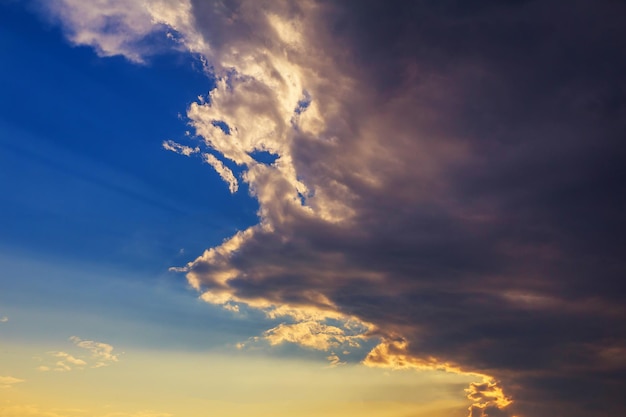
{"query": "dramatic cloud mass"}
{"type": "Point", "coordinates": [448, 181]}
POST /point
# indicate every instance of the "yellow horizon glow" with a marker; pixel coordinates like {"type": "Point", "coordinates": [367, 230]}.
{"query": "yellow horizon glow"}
{"type": "Point", "coordinates": [190, 384]}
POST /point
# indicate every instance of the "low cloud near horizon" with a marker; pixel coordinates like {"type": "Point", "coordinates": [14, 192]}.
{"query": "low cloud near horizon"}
{"type": "Point", "coordinates": [448, 181]}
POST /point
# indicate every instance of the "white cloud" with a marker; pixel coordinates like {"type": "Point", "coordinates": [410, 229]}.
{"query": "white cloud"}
{"type": "Point", "coordinates": [102, 353]}
{"type": "Point", "coordinates": [69, 358]}
{"type": "Point", "coordinates": [224, 172]}
{"type": "Point", "coordinates": [4, 319]}
{"type": "Point", "coordinates": [231, 307]}
{"type": "Point", "coordinates": [63, 362]}
{"type": "Point", "coordinates": [89, 23]}
{"type": "Point", "coordinates": [66, 362]}
{"type": "Point", "coordinates": [170, 145]}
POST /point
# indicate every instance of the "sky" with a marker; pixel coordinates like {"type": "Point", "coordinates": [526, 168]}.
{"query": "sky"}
{"type": "Point", "coordinates": [315, 207]}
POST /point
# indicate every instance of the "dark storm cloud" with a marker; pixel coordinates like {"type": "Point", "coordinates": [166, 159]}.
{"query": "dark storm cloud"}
{"type": "Point", "coordinates": [488, 220]}
{"type": "Point", "coordinates": [540, 103]}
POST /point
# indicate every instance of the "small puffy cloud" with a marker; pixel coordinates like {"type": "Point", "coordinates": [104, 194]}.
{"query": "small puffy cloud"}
{"type": "Point", "coordinates": [334, 360]}
{"type": "Point", "coordinates": [9, 381]}
{"type": "Point", "coordinates": [4, 319]}
{"type": "Point", "coordinates": [101, 353]}
{"type": "Point", "coordinates": [231, 307]}
{"type": "Point", "coordinates": [67, 362]}
{"type": "Point", "coordinates": [69, 358]}
{"type": "Point", "coordinates": [62, 362]}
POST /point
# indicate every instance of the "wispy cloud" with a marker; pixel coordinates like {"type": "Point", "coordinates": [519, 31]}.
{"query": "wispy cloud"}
{"type": "Point", "coordinates": [334, 360]}
{"type": "Point", "coordinates": [67, 362]}
{"type": "Point", "coordinates": [9, 381]}
{"type": "Point", "coordinates": [224, 172]}
{"type": "Point", "coordinates": [450, 182]}
{"type": "Point", "coordinates": [4, 319]}
{"type": "Point", "coordinates": [101, 355]}
{"type": "Point", "coordinates": [172, 146]}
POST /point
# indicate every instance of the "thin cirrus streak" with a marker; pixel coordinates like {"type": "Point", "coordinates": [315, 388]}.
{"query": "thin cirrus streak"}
{"type": "Point", "coordinates": [450, 185]}
{"type": "Point", "coordinates": [224, 172]}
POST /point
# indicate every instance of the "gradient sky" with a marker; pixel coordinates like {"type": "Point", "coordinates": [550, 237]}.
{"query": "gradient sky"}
{"type": "Point", "coordinates": [315, 207]}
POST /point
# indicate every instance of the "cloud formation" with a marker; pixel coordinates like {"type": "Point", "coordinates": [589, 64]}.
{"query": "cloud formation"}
{"type": "Point", "coordinates": [101, 355]}
{"type": "Point", "coordinates": [118, 27]}
{"type": "Point", "coordinates": [223, 171]}
{"type": "Point", "coordinates": [9, 381]}
{"type": "Point", "coordinates": [448, 175]}
{"type": "Point", "coordinates": [311, 334]}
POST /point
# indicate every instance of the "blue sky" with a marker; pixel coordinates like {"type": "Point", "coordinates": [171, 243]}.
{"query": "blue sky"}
{"type": "Point", "coordinates": [94, 210]}
{"type": "Point", "coordinates": [82, 155]}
